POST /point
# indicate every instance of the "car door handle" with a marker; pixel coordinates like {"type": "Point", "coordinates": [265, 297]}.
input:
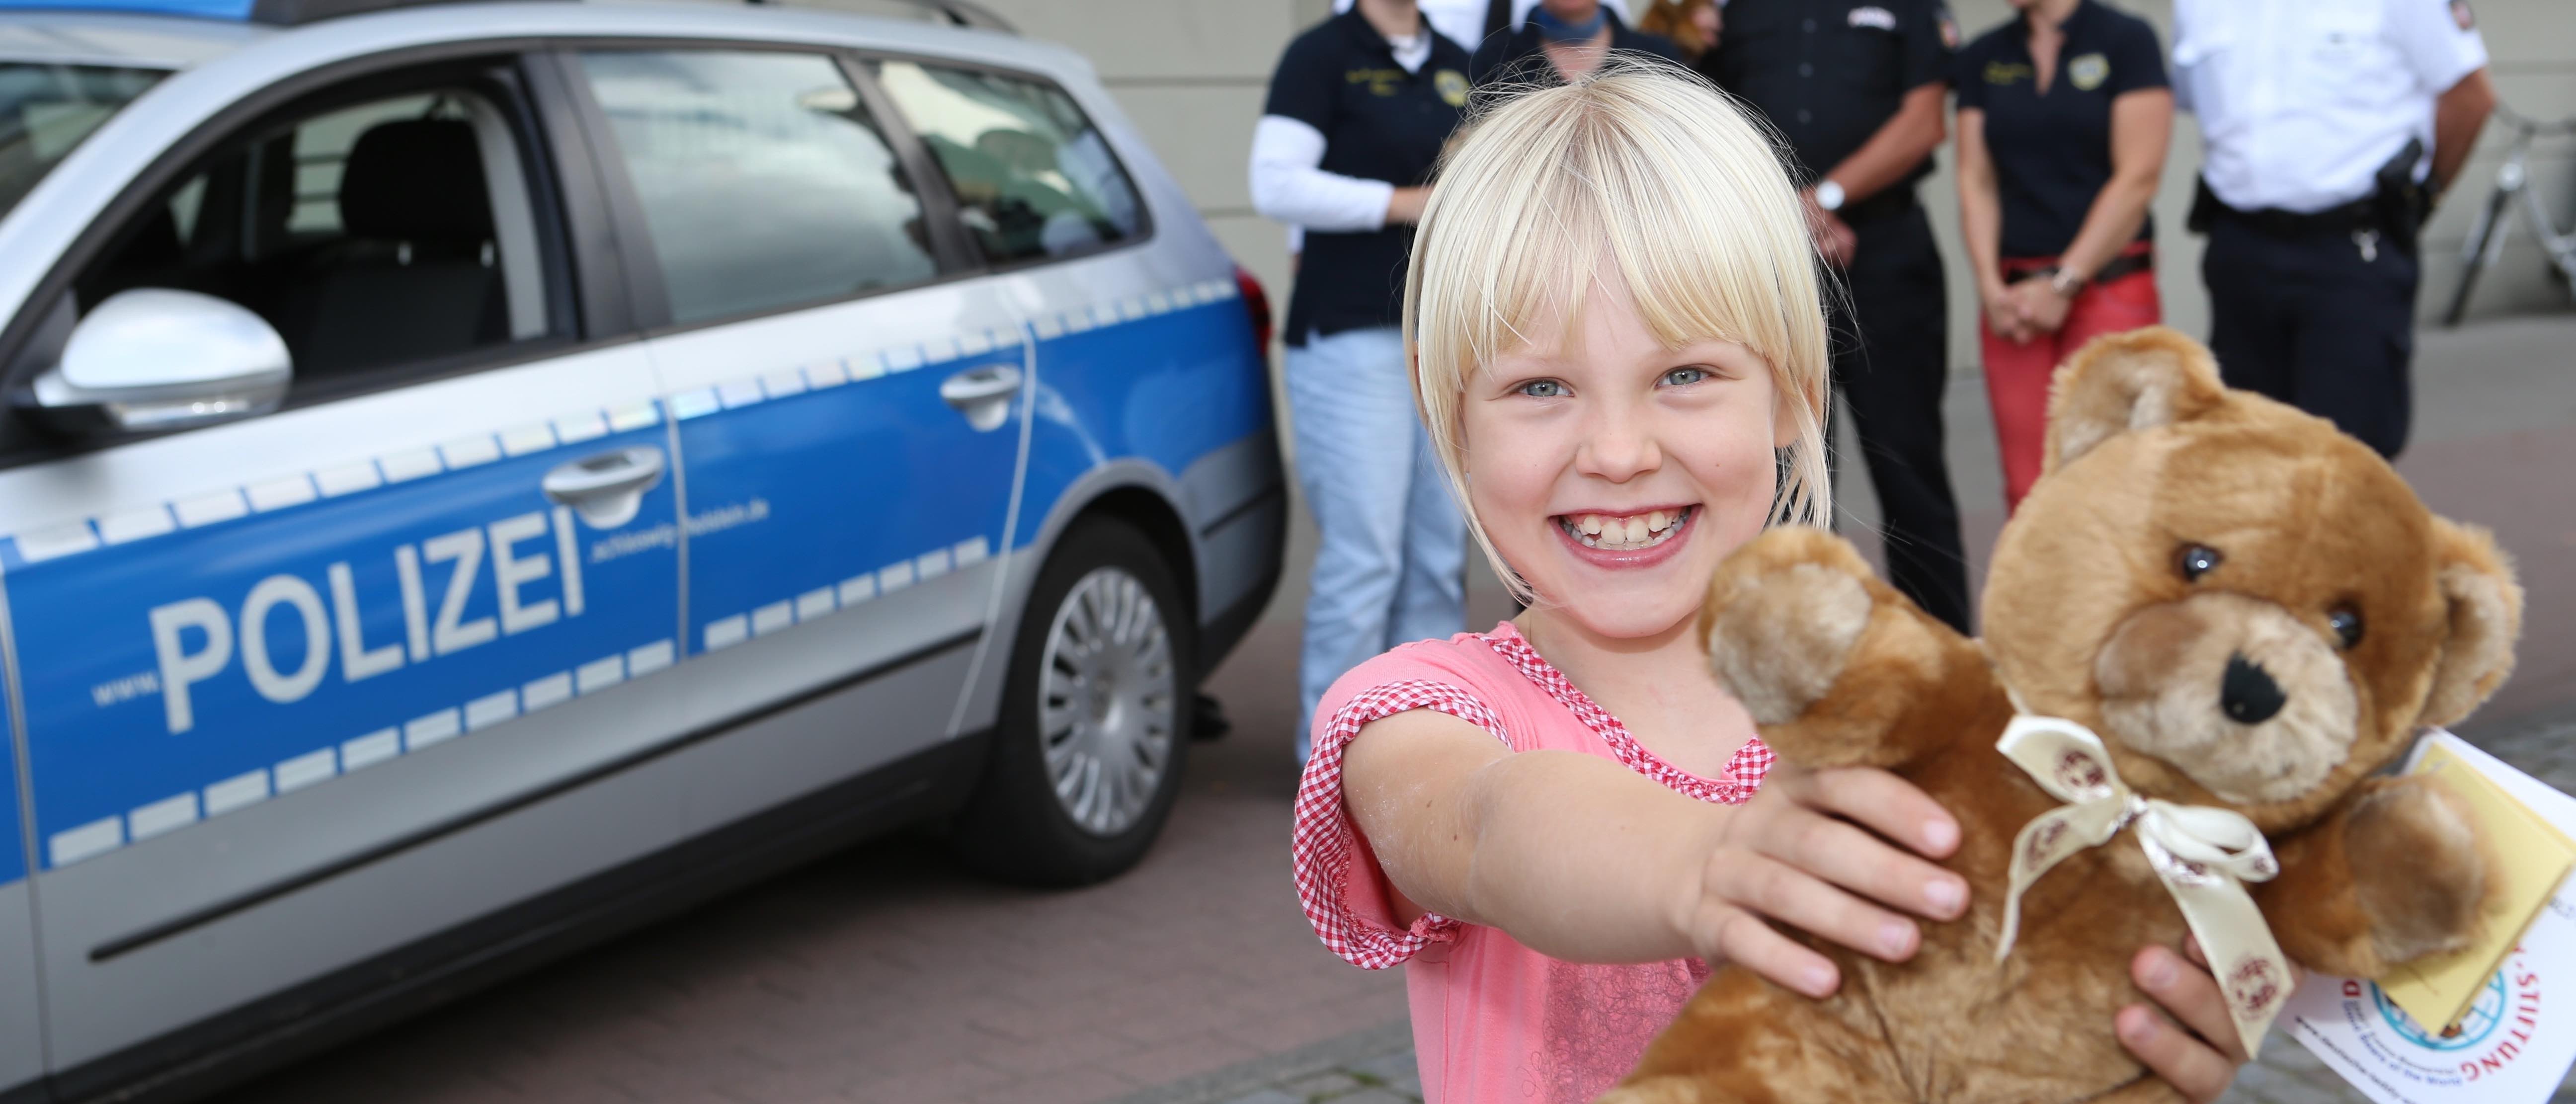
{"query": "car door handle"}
{"type": "Point", "coordinates": [982, 393]}
{"type": "Point", "coordinates": [608, 488]}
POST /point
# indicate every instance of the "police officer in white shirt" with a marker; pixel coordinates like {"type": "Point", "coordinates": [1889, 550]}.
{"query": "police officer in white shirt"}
{"type": "Point", "coordinates": [2331, 126]}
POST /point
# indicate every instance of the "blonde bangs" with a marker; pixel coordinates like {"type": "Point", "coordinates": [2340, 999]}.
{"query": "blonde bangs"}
{"type": "Point", "coordinates": [1667, 179]}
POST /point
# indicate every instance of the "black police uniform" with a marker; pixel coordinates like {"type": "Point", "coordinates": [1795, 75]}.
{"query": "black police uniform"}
{"type": "Point", "coordinates": [1379, 122]}
{"type": "Point", "coordinates": [2052, 152]}
{"type": "Point", "coordinates": [1519, 54]}
{"type": "Point", "coordinates": [1828, 75]}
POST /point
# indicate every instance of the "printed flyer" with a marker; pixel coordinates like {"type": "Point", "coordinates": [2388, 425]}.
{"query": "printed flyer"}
{"type": "Point", "coordinates": [2516, 1040]}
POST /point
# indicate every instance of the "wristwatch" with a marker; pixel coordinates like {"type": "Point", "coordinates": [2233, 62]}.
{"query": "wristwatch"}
{"type": "Point", "coordinates": [2065, 283]}
{"type": "Point", "coordinates": [1829, 195]}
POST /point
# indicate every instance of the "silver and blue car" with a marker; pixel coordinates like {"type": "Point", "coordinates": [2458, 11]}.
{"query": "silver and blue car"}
{"type": "Point", "coordinates": [475, 475]}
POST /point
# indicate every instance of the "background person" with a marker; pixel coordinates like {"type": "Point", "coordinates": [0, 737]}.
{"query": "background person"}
{"type": "Point", "coordinates": [1357, 114]}
{"type": "Point", "coordinates": [1573, 36]}
{"type": "Point", "coordinates": [1858, 91]}
{"type": "Point", "coordinates": [2064, 116]}
{"type": "Point", "coordinates": [2317, 119]}
{"type": "Point", "coordinates": [1692, 25]}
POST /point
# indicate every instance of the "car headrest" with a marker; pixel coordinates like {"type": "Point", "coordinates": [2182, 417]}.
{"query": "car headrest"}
{"type": "Point", "coordinates": [416, 180]}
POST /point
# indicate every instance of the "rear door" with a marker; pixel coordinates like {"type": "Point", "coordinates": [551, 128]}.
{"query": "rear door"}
{"type": "Point", "coordinates": [264, 660]}
{"type": "Point", "coordinates": [847, 405]}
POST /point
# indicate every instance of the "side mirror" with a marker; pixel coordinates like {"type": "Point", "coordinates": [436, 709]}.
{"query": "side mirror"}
{"type": "Point", "coordinates": [155, 358]}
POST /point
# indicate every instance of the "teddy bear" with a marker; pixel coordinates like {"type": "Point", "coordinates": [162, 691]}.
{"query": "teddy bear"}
{"type": "Point", "coordinates": [2251, 611]}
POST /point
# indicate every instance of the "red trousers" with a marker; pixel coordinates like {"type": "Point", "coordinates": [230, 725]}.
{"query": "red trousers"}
{"type": "Point", "coordinates": [2017, 375]}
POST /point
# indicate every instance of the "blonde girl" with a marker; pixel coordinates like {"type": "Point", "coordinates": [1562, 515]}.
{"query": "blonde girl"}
{"type": "Point", "coordinates": [1619, 354]}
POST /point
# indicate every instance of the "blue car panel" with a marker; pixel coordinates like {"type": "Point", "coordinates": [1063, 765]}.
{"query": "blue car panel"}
{"type": "Point", "coordinates": [176, 676]}
{"type": "Point", "coordinates": [13, 845]}
{"type": "Point", "coordinates": [1166, 377]}
{"type": "Point", "coordinates": [817, 489]}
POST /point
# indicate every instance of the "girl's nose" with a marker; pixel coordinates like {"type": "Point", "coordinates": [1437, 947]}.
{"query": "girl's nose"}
{"type": "Point", "coordinates": [1618, 448]}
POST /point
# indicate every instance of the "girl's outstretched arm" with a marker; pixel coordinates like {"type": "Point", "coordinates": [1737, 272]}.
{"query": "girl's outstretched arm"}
{"type": "Point", "coordinates": [1580, 858]}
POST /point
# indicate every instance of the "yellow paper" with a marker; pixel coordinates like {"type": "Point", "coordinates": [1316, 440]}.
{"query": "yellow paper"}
{"type": "Point", "coordinates": [2533, 859]}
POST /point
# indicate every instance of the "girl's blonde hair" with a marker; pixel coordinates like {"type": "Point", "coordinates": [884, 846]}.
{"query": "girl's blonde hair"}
{"type": "Point", "coordinates": [1657, 171]}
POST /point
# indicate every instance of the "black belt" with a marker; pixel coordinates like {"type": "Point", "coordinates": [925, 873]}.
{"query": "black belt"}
{"type": "Point", "coordinates": [2123, 265]}
{"type": "Point", "coordinates": [2360, 214]}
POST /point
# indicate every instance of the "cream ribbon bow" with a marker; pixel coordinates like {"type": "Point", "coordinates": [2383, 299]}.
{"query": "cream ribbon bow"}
{"type": "Point", "coordinates": [2203, 854]}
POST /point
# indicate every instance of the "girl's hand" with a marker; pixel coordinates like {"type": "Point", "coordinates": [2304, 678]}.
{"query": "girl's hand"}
{"type": "Point", "coordinates": [1798, 853]}
{"type": "Point", "coordinates": [2199, 1056]}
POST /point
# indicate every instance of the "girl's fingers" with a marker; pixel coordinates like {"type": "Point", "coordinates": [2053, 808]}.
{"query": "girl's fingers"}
{"type": "Point", "coordinates": [2190, 994]}
{"type": "Point", "coordinates": [1795, 897]}
{"type": "Point", "coordinates": [2181, 1058]}
{"type": "Point", "coordinates": [1883, 803]}
{"type": "Point", "coordinates": [1746, 941]}
{"type": "Point", "coordinates": [1865, 864]}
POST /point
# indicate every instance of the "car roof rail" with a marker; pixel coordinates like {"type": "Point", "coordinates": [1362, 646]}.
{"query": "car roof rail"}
{"type": "Point", "coordinates": [963, 13]}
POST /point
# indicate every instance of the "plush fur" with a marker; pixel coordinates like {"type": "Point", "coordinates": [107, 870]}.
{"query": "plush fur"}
{"type": "Point", "coordinates": [2090, 614]}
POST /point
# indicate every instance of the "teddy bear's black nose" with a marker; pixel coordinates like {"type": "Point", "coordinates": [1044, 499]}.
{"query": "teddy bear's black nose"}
{"type": "Point", "coordinates": [2248, 694]}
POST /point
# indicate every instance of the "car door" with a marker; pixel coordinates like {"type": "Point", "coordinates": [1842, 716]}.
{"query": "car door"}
{"type": "Point", "coordinates": [270, 665]}
{"type": "Point", "coordinates": [22, 1055]}
{"type": "Point", "coordinates": [846, 407]}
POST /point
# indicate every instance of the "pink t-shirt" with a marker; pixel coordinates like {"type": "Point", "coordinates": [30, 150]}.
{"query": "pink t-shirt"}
{"type": "Point", "coordinates": [1492, 1019]}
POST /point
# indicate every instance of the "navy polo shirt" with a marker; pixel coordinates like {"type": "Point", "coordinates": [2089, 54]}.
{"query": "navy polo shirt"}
{"type": "Point", "coordinates": [1829, 73]}
{"type": "Point", "coordinates": [1379, 122]}
{"type": "Point", "coordinates": [2052, 151]}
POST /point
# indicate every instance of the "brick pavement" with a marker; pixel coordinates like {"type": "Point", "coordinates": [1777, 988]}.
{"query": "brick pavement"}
{"type": "Point", "coordinates": [885, 974]}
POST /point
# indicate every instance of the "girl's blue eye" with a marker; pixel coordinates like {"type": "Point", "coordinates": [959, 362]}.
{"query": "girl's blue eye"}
{"type": "Point", "coordinates": [1543, 389]}
{"type": "Point", "coordinates": [1684, 377]}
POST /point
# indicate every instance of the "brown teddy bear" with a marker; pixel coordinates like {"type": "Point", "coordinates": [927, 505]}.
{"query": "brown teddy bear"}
{"type": "Point", "coordinates": [2249, 608]}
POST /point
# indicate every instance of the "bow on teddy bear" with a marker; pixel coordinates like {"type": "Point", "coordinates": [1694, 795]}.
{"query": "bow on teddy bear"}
{"type": "Point", "coordinates": [2250, 609]}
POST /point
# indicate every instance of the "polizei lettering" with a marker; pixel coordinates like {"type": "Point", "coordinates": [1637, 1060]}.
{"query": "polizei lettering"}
{"type": "Point", "coordinates": [195, 639]}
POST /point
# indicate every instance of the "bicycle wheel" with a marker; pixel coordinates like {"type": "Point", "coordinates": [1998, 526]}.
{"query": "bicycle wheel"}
{"type": "Point", "coordinates": [2477, 255]}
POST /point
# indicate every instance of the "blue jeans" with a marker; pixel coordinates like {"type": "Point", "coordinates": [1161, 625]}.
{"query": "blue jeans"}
{"type": "Point", "coordinates": [1393, 544]}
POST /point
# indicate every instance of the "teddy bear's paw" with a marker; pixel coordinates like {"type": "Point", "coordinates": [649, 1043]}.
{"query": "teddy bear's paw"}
{"type": "Point", "coordinates": [1782, 622]}
{"type": "Point", "coordinates": [2421, 870]}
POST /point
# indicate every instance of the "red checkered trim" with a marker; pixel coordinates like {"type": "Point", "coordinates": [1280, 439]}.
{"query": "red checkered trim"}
{"type": "Point", "coordinates": [1325, 840]}
{"type": "Point", "coordinates": [1744, 772]}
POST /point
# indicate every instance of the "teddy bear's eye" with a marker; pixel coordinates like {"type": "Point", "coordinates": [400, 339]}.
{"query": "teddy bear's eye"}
{"type": "Point", "coordinates": [2196, 560]}
{"type": "Point", "coordinates": [2346, 623]}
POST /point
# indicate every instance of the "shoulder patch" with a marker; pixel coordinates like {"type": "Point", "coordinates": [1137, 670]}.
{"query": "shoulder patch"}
{"type": "Point", "coordinates": [1871, 15]}
{"type": "Point", "coordinates": [2460, 14]}
{"type": "Point", "coordinates": [1949, 27]}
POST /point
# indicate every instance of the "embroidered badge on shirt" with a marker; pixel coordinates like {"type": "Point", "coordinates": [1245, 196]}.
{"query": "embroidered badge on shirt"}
{"type": "Point", "coordinates": [1873, 16]}
{"type": "Point", "coordinates": [1452, 86]}
{"type": "Point", "coordinates": [2088, 71]}
{"type": "Point", "coordinates": [1949, 27]}
{"type": "Point", "coordinates": [2006, 72]}
{"type": "Point", "coordinates": [2460, 14]}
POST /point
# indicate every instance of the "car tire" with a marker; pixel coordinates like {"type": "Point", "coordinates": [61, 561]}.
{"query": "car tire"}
{"type": "Point", "coordinates": [1095, 719]}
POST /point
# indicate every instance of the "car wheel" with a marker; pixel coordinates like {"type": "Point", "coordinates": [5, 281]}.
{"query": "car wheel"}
{"type": "Point", "coordinates": [1095, 718]}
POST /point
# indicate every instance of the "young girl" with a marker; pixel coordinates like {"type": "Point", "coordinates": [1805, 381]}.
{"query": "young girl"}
{"type": "Point", "coordinates": [1620, 355]}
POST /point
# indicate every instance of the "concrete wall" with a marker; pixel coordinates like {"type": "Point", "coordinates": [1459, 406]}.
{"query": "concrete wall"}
{"type": "Point", "coordinates": [1192, 74]}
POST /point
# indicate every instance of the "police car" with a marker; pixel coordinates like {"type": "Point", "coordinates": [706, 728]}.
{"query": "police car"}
{"type": "Point", "coordinates": [474, 475]}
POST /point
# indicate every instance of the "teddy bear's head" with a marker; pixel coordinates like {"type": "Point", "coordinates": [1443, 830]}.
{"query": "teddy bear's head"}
{"type": "Point", "coordinates": [2250, 607]}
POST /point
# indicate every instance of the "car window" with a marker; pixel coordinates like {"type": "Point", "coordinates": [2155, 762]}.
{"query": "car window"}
{"type": "Point", "coordinates": [765, 183]}
{"type": "Point", "coordinates": [45, 111]}
{"type": "Point", "coordinates": [389, 230]}
{"type": "Point", "coordinates": [1033, 177]}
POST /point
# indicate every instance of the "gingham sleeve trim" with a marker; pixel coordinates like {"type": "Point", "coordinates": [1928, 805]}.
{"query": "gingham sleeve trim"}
{"type": "Point", "coordinates": [1326, 841]}
{"type": "Point", "coordinates": [1734, 785]}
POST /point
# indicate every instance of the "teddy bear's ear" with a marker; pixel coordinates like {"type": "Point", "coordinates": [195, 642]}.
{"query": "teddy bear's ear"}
{"type": "Point", "coordinates": [2485, 619]}
{"type": "Point", "coordinates": [2127, 381]}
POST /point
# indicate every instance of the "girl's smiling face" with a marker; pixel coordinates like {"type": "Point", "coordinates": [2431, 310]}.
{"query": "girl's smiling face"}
{"type": "Point", "coordinates": [1614, 473]}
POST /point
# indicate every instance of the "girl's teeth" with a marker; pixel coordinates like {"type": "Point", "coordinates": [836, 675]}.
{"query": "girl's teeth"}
{"type": "Point", "coordinates": [1591, 525]}
{"type": "Point", "coordinates": [1657, 520]}
{"type": "Point", "coordinates": [1636, 530]}
{"type": "Point", "coordinates": [1599, 531]}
